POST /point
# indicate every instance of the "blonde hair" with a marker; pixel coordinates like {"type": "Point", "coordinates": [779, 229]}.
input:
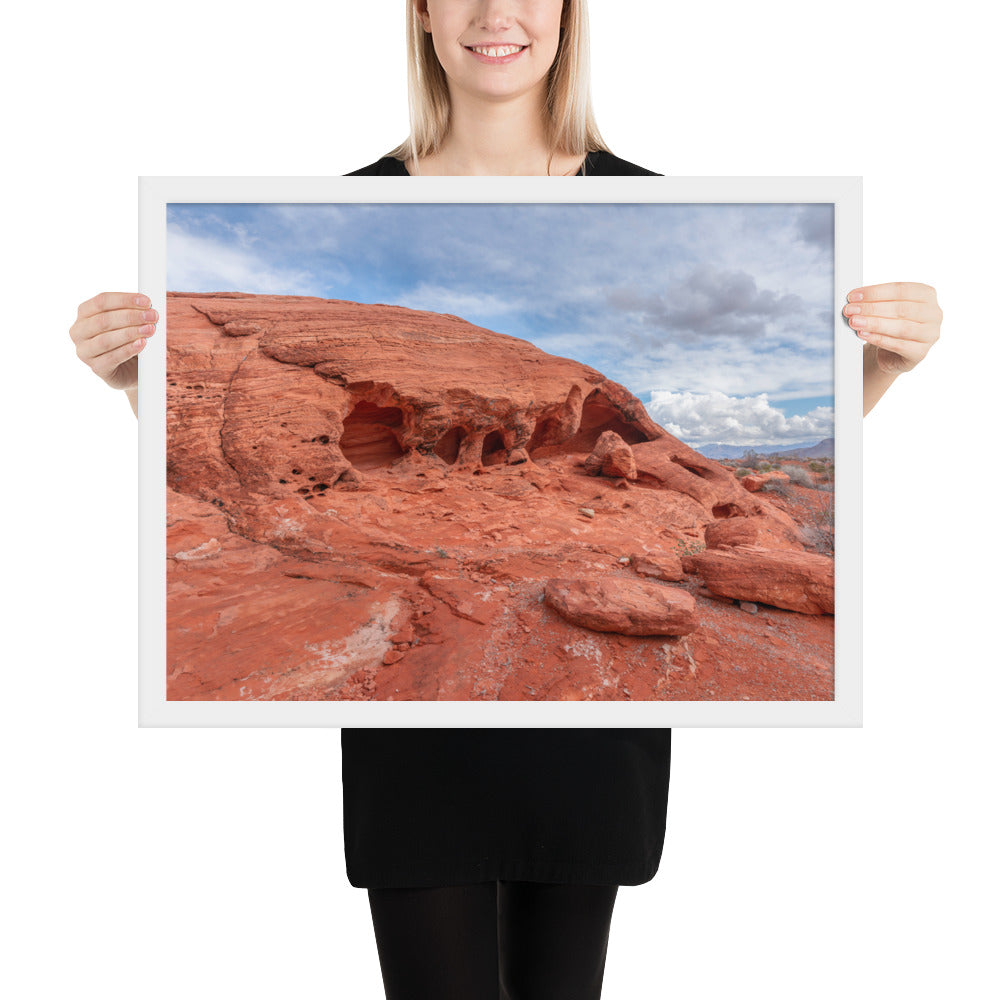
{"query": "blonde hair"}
{"type": "Point", "coordinates": [570, 122]}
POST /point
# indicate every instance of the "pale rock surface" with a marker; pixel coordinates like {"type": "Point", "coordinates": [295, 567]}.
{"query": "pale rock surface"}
{"type": "Point", "coordinates": [631, 607]}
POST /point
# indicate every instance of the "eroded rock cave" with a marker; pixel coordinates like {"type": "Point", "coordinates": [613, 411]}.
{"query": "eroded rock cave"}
{"type": "Point", "coordinates": [369, 440]}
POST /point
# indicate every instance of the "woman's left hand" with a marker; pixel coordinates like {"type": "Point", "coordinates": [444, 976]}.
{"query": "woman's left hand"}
{"type": "Point", "coordinates": [901, 318]}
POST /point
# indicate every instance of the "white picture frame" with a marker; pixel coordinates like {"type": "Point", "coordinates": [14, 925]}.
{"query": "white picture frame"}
{"type": "Point", "coordinates": [843, 709]}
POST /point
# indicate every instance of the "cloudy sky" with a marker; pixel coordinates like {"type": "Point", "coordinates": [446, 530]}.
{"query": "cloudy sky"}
{"type": "Point", "coordinates": [720, 318]}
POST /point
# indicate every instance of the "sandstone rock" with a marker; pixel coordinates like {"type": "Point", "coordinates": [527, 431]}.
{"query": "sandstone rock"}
{"type": "Point", "coordinates": [732, 531]}
{"type": "Point", "coordinates": [282, 394]}
{"type": "Point", "coordinates": [754, 482]}
{"type": "Point", "coordinates": [630, 607]}
{"type": "Point", "coordinates": [611, 457]}
{"type": "Point", "coordinates": [669, 463]}
{"type": "Point", "coordinates": [797, 581]}
{"type": "Point", "coordinates": [770, 531]}
{"type": "Point", "coordinates": [243, 328]}
{"type": "Point", "coordinates": [660, 566]}
{"type": "Point", "coordinates": [343, 476]}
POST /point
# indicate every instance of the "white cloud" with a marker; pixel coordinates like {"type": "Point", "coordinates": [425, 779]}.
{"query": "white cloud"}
{"type": "Point", "coordinates": [202, 264]}
{"type": "Point", "coordinates": [472, 306]}
{"type": "Point", "coordinates": [714, 417]}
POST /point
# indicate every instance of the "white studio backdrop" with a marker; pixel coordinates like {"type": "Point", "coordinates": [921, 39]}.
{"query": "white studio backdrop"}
{"type": "Point", "coordinates": [160, 863]}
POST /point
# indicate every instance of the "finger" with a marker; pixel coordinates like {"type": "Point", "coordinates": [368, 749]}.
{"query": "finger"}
{"type": "Point", "coordinates": [117, 319]}
{"type": "Point", "coordinates": [108, 362]}
{"type": "Point", "coordinates": [107, 301]}
{"type": "Point", "coordinates": [912, 290]}
{"type": "Point", "coordinates": [913, 351]}
{"type": "Point", "coordinates": [901, 329]}
{"type": "Point", "coordinates": [96, 347]}
{"type": "Point", "coordinates": [917, 312]}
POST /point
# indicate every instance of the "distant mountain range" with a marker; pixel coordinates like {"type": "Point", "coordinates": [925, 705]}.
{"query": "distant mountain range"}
{"type": "Point", "coordinates": [805, 449]}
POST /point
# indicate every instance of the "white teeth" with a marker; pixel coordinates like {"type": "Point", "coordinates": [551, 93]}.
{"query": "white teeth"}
{"type": "Point", "coordinates": [496, 51]}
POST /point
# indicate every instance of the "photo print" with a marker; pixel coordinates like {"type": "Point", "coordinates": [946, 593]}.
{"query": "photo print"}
{"type": "Point", "coordinates": [457, 452]}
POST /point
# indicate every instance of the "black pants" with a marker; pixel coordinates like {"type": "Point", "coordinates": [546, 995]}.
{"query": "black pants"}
{"type": "Point", "coordinates": [493, 941]}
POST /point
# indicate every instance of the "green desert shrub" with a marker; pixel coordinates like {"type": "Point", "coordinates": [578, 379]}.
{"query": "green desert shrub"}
{"type": "Point", "coordinates": [797, 475]}
{"type": "Point", "coordinates": [778, 486]}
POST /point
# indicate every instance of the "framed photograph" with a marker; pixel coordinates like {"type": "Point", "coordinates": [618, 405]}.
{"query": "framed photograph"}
{"type": "Point", "coordinates": [500, 452]}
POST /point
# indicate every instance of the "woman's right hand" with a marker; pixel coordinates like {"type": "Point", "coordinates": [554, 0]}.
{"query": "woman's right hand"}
{"type": "Point", "coordinates": [110, 331]}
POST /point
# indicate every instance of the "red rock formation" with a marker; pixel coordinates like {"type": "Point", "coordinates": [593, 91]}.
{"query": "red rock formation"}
{"type": "Point", "coordinates": [756, 530]}
{"type": "Point", "coordinates": [664, 566]}
{"type": "Point", "coordinates": [797, 581]}
{"type": "Point", "coordinates": [753, 483]}
{"type": "Point", "coordinates": [611, 457]}
{"type": "Point", "coordinates": [630, 607]}
{"type": "Point", "coordinates": [367, 502]}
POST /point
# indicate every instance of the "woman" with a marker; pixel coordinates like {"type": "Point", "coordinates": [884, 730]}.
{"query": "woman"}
{"type": "Point", "coordinates": [492, 858]}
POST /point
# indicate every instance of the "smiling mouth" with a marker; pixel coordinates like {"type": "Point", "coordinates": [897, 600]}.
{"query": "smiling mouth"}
{"type": "Point", "coordinates": [496, 51]}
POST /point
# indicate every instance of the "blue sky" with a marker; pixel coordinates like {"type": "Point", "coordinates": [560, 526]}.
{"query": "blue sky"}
{"type": "Point", "coordinates": [720, 318]}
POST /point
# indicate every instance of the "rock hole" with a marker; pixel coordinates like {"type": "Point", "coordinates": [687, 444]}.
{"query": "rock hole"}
{"type": "Point", "coordinates": [700, 473]}
{"type": "Point", "coordinates": [494, 448]}
{"type": "Point", "coordinates": [545, 430]}
{"type": "Point", "coordinates": [368, 441]}
{"type": "Point", "coordinates": [598, 416]}
{"type": "Point", "coordinates": [725, 510]}
{"type": "Point", "coordinates": [551, 429]}
{"type": "Point", "coordinates": [449, 444]}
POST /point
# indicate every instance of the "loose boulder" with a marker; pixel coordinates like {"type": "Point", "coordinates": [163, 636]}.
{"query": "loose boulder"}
{"type": "Point", "coordinates": [630, 607]}
{"type": "Point", "coordinates": [611, 457]}
{"type": "Point", "coordinates": [767, 532]}
{"type": "Point", "coordinates": [796, 581]}
{"type": "Point", "coordinates": [753, 483]}
{"type": "Point", "coordinates": [660, 566]}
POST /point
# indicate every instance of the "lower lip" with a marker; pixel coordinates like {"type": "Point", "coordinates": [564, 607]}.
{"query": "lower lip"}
{"type": "Point", "coordinates": [497, 60]}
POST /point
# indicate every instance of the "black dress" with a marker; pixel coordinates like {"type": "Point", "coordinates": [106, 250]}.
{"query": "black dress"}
{"type": "Point", "coordinates": [436, 807]}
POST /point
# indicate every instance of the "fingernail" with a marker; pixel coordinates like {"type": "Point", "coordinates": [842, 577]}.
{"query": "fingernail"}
{"type": "Point", "coordinates": [851, 310]}
{"type": "Point", "coordinates": [150, 315]}
{"type": "Point", "coordinates": [141, 301]}
{"type": "Point", "coordinates": [859, 322]}
{"type": "Point", "coordinates": [855, 297]}
{"type": "Point", "coordinates": [148, 330]}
